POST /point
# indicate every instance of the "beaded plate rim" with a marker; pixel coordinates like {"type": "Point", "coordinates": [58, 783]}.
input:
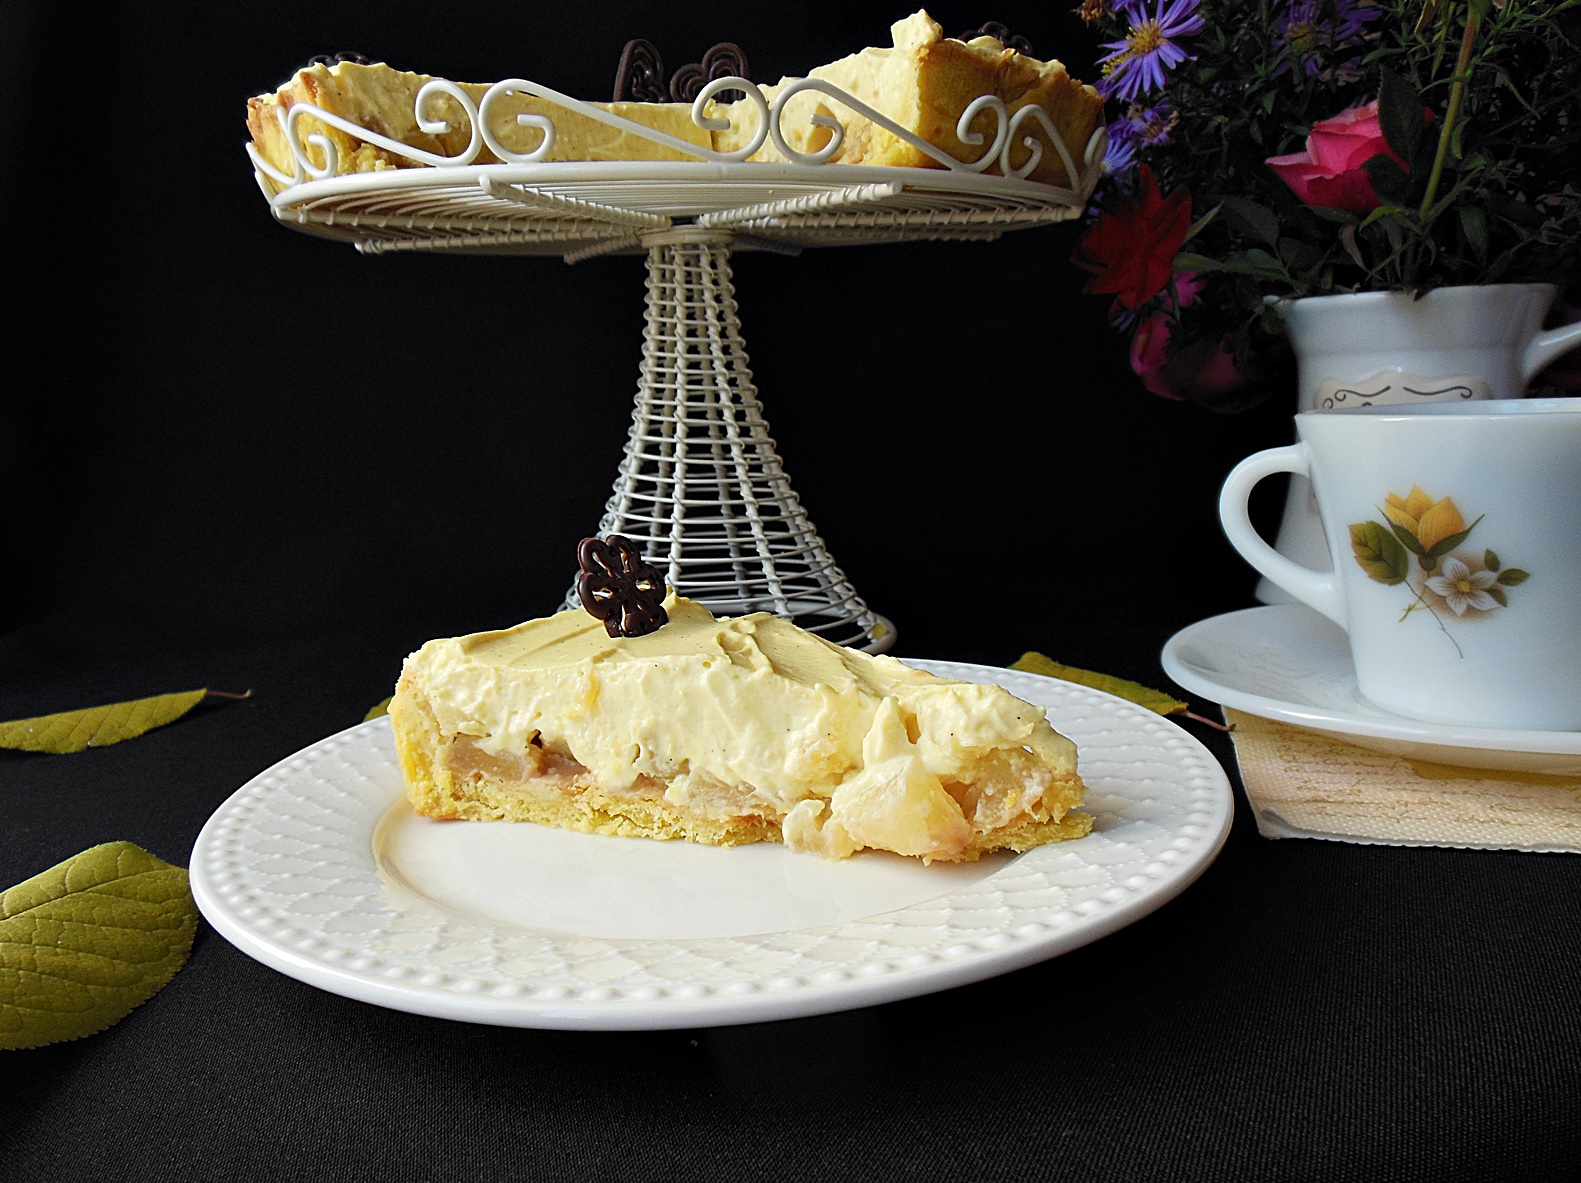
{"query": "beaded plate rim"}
{"type": "Point", "coordinates": [1140, 768]}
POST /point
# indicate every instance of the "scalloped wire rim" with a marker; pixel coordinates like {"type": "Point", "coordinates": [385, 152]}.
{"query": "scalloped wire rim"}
{"type": "Point", "coordinates": [770, 121]}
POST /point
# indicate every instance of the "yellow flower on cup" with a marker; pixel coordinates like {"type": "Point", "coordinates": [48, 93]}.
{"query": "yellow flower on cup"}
{"type": "Point", "coordinates": [1467, 584]}
{"type": "Point", "coordinates": [1428, 521]}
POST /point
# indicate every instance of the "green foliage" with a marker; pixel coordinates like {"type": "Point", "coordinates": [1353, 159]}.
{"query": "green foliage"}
{"type": "Point", "coordinates": [86, 941]}
{"type": "Point", "coordinates": [1144, 696]}
{"type": "Point", "coordinates": [97, 727]}
{"type": "Point", "coordinates": [1490, 188]}
{"type": "Point", "coordinates": [1444, 545]}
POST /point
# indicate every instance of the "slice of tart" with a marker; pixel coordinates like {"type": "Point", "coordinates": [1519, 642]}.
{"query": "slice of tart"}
{"type": "Point", "coordinates": [924, 82]}
{"type": "Point", "coordinates": [727, 731]}
{"type": "Point", "coordinates": [384, 100]}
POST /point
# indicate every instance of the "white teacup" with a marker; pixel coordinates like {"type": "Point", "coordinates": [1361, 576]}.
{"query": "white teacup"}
{"type": "Point", "coordinates": [1373, 349]}
{"type": "Point", "coordinates": [1455, 536]}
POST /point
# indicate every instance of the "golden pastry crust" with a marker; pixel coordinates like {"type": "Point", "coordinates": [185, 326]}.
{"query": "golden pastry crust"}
{"type": "Point", "coordinates": [384, 100]}
{"type": "Point", "coordinates": [923, 83]}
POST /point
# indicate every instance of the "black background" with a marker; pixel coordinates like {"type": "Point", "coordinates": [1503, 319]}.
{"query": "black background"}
{"type": "Point", "coordinates": [232, 426]}
{"type": "Point", "coordinates": [233, 455]}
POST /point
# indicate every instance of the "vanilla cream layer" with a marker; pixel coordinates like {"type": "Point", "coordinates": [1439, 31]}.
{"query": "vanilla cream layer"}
{"type": "Point", "coordinates": [754, 701]}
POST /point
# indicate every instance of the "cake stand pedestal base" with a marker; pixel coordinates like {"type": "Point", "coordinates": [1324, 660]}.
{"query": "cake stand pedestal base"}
{"type": "Point", "coordinates": [701, 490]}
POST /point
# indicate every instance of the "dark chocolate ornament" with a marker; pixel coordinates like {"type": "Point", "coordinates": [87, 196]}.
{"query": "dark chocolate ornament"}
{"type": "Point", "coordinates": [617, 587]}
{"type": "Point", "coordinates": [725, 60]}
{"type": "Point", "coordinates": [329, 59]}
{"type": "Point", "coordinates": [1001, 34]}
{"type": "Point", "coordinates": [640, 76]}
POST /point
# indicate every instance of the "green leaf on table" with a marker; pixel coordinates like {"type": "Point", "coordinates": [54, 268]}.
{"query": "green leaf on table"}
{"type": "Point", "coordinates": [89, 940]}
{"type": "Point", "coordinates": [1514, 577]}
{"type": "Point", "coordinates": [97, 727]}
{"type": "Point", "coordinates": [1143, 696]}
{"type": "Point", "coordinates": [378, 710]}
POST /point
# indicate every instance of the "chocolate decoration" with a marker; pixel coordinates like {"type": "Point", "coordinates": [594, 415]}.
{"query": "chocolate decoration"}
{"type": "Point", "coordinates": [640, 76]}
{"type": "Point", "coordinates": [725, 60]}
{"type": "Point", "coordinates": [1001, 34]}
{"type": "Point", "coordinates": [329, 59]}
{"type": "Point", "coordinates": [617, 587]}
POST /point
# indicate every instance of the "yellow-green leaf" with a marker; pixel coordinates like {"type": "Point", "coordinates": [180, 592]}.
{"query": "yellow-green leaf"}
{"type": "Point", "coordinates": [87, 941]}
{"type": "Point", "coordinates": [1382, 552]}
{"type": "Point", "coordinates": [382, 708]}
{"type": "Point", "coordinates": [1143, 696]}
{"type": "Point", "coordinates": [96, 727]}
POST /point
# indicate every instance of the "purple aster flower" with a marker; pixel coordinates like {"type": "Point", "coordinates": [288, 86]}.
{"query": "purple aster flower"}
{"type": "Point", "coordinates": [1138, 129]}
{"type": "Point", "coordinates": [1154, 124]}
{"type": "Point", "coordinates": [1310, 29]}
{"type": "Point", "coordinates": [1121, 152]}
{"type": "Point", "coordinates": [1140, 62]}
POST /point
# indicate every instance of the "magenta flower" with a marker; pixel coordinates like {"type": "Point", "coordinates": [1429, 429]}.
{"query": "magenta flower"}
{"type": "Point", "coordinates": [1139, 64]}
{"type": "Point", "coordinates": [1331, 171]}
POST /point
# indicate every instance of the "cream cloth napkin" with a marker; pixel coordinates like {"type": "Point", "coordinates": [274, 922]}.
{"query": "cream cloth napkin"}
{"type": "Point", "coordinates": [1305, 785]}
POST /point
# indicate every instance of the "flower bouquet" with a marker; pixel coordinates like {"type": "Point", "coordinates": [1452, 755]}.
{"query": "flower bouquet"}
{"type": "Point", "coordinates": [1274, 149]}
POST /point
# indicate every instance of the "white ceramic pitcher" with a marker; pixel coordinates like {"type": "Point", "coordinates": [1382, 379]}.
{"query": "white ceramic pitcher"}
{"type": "Point", "coordinates": [1368, 349]}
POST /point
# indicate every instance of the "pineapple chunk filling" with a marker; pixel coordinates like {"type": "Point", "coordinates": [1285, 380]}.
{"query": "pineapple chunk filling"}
{"type": "Point", "coordinates": [892, 802]}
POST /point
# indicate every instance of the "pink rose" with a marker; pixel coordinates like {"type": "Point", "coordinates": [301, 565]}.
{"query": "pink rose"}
{"type": "Point", "coordinates": [1329, 173]}
{"type": "Point", "coordinates": [1204, 372]}
{"type": "Point", "coordinates": [1200, 373]}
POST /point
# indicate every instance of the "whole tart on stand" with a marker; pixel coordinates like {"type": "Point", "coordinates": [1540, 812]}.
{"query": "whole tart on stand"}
{"type": "Point", "coordinates": [519, 168]}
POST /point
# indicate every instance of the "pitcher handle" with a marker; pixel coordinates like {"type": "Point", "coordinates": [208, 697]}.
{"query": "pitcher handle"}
{"type": "Point", "coordinates": [1546, 348]}
{"type": "Point", "coordinates": [1320, 589]}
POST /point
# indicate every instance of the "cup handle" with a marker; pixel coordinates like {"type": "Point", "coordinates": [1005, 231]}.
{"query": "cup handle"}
{"type": "Point", "coordinates": [1319, 589]}
{"type": "Point", "coordinates": [1547, 348]}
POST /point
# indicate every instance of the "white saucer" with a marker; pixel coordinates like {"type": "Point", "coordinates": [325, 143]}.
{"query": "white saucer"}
{"type": "Point", "coordinates": [1287, 662]}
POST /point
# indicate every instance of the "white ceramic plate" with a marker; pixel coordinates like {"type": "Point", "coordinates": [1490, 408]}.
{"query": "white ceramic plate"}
{"type": "Point", "coordinates": [320, 869]}
{"type": "Point", "coordinates": [1287, 662]}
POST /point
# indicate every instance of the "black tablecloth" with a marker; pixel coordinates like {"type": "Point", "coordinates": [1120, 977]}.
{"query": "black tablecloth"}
{"type": "Point", "coordinates": [245, 458]}
{"type": "Point", "coordinates": [1306, 1010]}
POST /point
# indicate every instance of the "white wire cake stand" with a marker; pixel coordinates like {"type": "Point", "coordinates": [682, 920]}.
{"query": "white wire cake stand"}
{"type": "Point", "coordinates": [701, 489]}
